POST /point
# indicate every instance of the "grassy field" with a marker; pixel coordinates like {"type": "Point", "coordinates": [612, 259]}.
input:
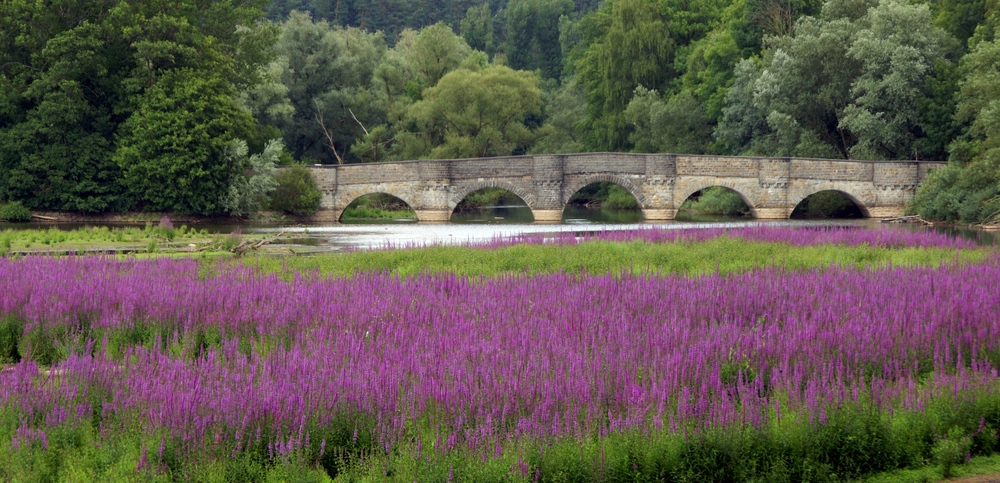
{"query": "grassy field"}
{"type": "Point", "coordinates": [719, 255]}
{"type": "Point", "coordinates": [152, 238]}
{"type": "Point", "coordinates": [721, 359]}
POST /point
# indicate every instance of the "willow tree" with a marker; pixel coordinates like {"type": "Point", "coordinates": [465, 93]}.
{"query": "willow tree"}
{"type": "Point", "coordinates": [473, 114]}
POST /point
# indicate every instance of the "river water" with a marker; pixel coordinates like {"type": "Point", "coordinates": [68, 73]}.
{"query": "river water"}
{"type": "Point", "coordinates": [501, 222]}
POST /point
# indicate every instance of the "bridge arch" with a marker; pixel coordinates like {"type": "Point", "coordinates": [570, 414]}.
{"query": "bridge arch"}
{"type": "Point", "coordinates": [461, 192]}
{"type": "Point", "coordinates": [796, 199]}
{"type": "Point", "coordinates": [629, 186]}
{"type": "Point", "coordinates": [342, 201]}
{"type": "Point", "coordinates": [743, 191]}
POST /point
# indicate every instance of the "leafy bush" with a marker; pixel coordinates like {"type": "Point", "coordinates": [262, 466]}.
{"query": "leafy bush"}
{"type": "Point", "coordinates": [14, 212]}
{"type": "Point", "coordinates": [296, 192]}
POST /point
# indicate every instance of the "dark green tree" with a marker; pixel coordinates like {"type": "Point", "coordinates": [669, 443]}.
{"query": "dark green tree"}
{"type": "Point", "coordinates": [174, 148]}
{"type": "Point", "coordinates": [533, 35]}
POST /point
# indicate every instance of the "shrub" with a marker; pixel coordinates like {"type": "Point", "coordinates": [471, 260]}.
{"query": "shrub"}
{"type": "Point", "coordinates": [14, 212]}
{"type": "Point", "coordinates": [296, 192]}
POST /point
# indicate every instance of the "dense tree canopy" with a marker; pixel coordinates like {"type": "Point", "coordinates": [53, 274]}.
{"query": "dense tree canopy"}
{"type": "Point", "coordinates": [99, 96]}
{"type": "Point", "coordinates": [109, 105]}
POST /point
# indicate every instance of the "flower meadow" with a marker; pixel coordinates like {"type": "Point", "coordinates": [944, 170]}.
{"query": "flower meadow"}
{"type": "Point", "coordinates": [161, 369]}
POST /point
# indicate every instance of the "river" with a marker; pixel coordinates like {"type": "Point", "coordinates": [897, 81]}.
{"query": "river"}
{"type": "Point", "coordinates": [503, 221]}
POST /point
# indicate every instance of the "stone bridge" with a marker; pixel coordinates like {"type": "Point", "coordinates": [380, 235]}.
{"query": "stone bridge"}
{"type": "Point", "coordinates": [771, 187]}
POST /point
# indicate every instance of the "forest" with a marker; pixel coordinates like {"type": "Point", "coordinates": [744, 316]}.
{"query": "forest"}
{"type": "Point", "coordinates": [187, 106]}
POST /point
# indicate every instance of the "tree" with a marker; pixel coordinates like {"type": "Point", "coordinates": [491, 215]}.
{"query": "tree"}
{"type": "Point", "coordinates": [533, 35]}
{"type": "Point", "coordinates": [632, 43]}
{"type": "Point", "coordinates": [679, 125]}
{"type": "Point", "coordinates": [472, 114]}
{"type": "Point", "coordinates": [75, 73]}
{"type": "Point", "coordinates": [968, 189]}
{"type": "Point", "coordinates": [326, 71]}
{"type": "Point", "coordinates": [848, 84]}
{"type": "Point", "coordinates": [477, 28]}
{"type": "Point", "coordinates": [174, 148]}
{"type": "Point", "coordinates": [249, 192]}
{"type": "Point", "coordinates": [564, 108]}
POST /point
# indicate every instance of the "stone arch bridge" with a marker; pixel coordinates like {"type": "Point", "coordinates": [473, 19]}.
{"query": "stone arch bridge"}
{"type": "Point", "coordinates": [771, 187]}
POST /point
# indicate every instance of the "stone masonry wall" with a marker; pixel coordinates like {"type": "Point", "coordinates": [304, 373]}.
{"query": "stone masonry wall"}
{"type": "Point", "coordinates": [660, 182]}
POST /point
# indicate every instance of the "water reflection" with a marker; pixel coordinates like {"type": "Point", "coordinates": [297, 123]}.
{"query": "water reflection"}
{"type": "Point", "coordinates": [500, 221]}
{"type": "Point", "coordinates": [507, 214]}
{"type": "Point", "coordinates": [576, 215]}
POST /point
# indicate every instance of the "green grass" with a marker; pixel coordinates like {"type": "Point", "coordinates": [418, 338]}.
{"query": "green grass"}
{"type": "Point", "coordinates": [979, 465]}
{"type": "Point", "coordinates": [724, 255]}
{"type": "Point", "coordinates": [150, 238]}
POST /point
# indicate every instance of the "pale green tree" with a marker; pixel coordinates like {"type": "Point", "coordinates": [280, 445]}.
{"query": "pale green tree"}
{"type": "Point", "coordinates": [472, 114]}
{"type": "Point", "coordinates": [847, 84]}
{"type": "Point", "coordinates": [249, 191]}
{"type": "Point", "coordinates": [327, 71]}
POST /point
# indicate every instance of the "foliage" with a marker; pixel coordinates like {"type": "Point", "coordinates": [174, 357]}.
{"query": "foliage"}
{"type": "Point", "coordinates": [324, 72]}
{"type": "Point", "coordinates": [605, 195]}
{"type": "Point", "coordinates": [472, 113]}
{"type": "Point", "coordinates": [75, 76]}
{"type": "Point", "coordinates": [488, 197]}
{"type": "Point", "coordinates": [847, 84]}
{"type": "Point", "coordinates": [679, 125]}
{"type": "Point", "coordinates": [533, 35]}
{"type": "Point", "coordinates": [631, 46]}
{"type": "Point", "coordinates": [715, 201]}
{"type": "Point", "coordinates": [378, 206]}
{"type": "Point", "coordinates": [14, 212]}
{"type": "Point", "coordinates": [296, 192]}
{"type": "Point", "coordinates": [173, 149]}
{"type": "Point", "coordinates": [477, 28]}
{"type": "Point", "coordinates": [564, 107]}
{"type": "Point", "coordinates": [968, 189]}
{"type": "Point", "coordinates": [250, 191]}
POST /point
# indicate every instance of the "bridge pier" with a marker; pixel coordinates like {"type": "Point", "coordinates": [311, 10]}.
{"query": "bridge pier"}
{"type": "Point", "coordinates": [772, 213]}
{"type": "Point", "coordinates": [433, 216]}
{"type": "Point", "coordinates": [547, 216]}
{"type": "Point", "coordinates": [656, 214]}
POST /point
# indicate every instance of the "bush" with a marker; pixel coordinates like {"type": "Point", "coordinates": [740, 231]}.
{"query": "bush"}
{"type": "Point", "coordinates": [296, 192]}
{"type": "Point", "coordinates": [14, 212]}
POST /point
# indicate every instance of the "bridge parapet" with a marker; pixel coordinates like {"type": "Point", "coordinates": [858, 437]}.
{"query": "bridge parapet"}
{"type": "Point", "coordinates": [771, 186]}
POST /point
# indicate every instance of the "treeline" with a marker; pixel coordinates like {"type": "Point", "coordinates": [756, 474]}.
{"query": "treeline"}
{"type": "Point", "coordinates": [113, 106]}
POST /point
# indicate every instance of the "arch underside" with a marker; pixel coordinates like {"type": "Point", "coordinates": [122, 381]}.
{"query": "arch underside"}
{"type": "Point", "coordinates": [625, 183]}
{"type": "Point", "coordinates": [464, 191]}
{"type": "Point", "coordinates": [862, 205]}
{"type": "Point", "coordinates": [740, 188]}
{"type": "Point", "coordinates": [356, 195]}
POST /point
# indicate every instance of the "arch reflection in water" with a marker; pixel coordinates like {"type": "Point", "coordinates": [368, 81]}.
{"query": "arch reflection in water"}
{"type": "Point", "coordinates": [602, 202]}
{"type": "Point", "coordinates": [492, 205]}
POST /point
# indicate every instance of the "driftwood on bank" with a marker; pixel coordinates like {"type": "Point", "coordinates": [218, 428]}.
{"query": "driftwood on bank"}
{"type": "Point", "coordinates": [908, 219]}
{"type": "Point", "coordinates": [249, 245]}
